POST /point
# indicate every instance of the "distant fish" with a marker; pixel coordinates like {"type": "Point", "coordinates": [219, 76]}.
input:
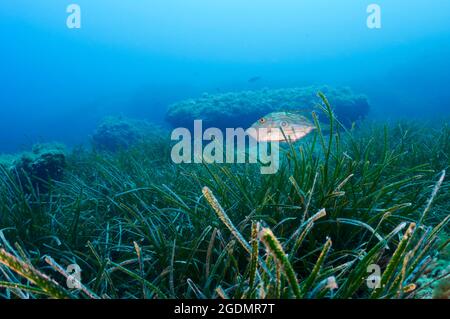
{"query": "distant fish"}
{"type": "Point", "coordinates": [271, 127]}
{"type": "Point", "coordinates": [254, 79]}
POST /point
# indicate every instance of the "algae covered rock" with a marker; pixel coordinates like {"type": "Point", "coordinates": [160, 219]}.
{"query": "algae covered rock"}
{"type": "Point", "coordinates": [442, 289]}
{"type": "Point", "coordinates": [44, 163]}
{"type": "Point", "coordinates": [6, 161]}
{"type": "Point", "coordinates": [241, 109]}
{"type": "Point", "coordinates": [435, 282]}
{"type": "Point", "coordinates": [120, 133]}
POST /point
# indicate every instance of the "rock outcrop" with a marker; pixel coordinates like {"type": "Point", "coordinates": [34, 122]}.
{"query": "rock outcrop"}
{"type": "Point", "coordinates": [241, 109]}
{"type": "Point", "coordinates": [46, 162]}
{"type": "Point", "coordinates": [120, 133]}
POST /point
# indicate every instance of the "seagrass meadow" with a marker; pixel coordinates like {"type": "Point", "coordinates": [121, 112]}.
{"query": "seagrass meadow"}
{"type": "Point", "coordinates": [343, 204]}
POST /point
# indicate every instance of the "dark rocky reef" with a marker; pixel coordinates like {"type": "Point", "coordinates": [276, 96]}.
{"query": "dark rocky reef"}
{"type": "Point", "coordinates": [120, 133]}
{"type": "Point", "coordinates": [46, 162]}
{"type": "Point", "coordinates": [241, 109]}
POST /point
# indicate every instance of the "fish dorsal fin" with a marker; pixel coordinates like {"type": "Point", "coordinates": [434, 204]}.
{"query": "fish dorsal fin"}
{"type": "Point", "coordinates": [300, 111]}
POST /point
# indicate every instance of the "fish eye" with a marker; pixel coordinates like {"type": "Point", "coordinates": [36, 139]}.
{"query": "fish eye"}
{"type": "Point", "coordinates": [262, 120]}
{"type": "Point", "coordinates": [284, 124]}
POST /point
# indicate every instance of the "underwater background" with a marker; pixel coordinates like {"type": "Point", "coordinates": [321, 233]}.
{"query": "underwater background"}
{"type": "Point", "coordinates": [135, 58]}
{"type": "Point", "coordinates": [93, 204]}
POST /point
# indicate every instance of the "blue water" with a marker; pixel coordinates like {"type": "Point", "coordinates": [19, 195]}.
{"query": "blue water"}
{"type": "Point", "coordinates": [135, 57]}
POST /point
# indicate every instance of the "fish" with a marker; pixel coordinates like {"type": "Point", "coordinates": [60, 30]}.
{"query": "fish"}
{"type": "Point", "coordinates": [281, 127]}
{"type": "Point", "coordinates": [254, 79]}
